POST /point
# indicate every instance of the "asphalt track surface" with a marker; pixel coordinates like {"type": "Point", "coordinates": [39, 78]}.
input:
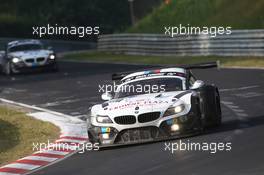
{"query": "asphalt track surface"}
{"type": "Point", "coordinates": [75, 88]}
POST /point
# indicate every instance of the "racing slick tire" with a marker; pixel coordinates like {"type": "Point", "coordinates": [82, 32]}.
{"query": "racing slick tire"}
{"type": "Point", "coordinates": [210, 106]}
{"type": "Point", "coordinates": [53, 68]}
{"type": "Point", "coordinates": [7, 69]}
{"type": "Point", "coordinates": [91, 135]}
{"type": "Point", "coordinates": [195, 103]}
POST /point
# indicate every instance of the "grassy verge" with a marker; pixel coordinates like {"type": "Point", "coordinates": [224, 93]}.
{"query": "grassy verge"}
{"type": "Point", "coordinates": [18, 132]}
{"type": "Point", "coordinates": [239, 14]}
{"type": "Point", "coordinates": [107, 57]}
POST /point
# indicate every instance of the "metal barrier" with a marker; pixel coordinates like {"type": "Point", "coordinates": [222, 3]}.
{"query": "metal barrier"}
{"type": "Point", "coordinates": [239, 43]}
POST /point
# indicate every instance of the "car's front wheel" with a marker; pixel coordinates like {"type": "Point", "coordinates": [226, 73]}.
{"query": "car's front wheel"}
{"type": "Point", "coordinates": [7, 69]}
{"type": "Point", "coordinates": [196, 109]}
{"type": "Point", "coordinates": [54, 67]}
{"type": "Point", "coordinates": [10, 69]}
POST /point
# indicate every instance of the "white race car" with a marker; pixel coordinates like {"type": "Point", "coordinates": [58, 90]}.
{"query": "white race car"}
{"type": "Point", "coordinates": [167, 103]}
{"type": "Point", "coordinates": [25, 55]}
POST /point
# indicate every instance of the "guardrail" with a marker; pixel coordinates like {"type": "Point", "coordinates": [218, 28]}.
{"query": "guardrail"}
{"type": "Point", "coordinates": [239, 43]}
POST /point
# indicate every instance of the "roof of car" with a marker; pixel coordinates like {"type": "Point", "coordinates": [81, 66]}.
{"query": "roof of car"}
{"type": "Point", "coordinates": [22, 42]}
{"type": "Point", "coordinates": [162, 72]}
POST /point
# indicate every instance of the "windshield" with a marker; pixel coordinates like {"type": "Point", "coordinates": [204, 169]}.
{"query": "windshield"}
{"type": "Point", "coordinates": [25, 47]}
{"type": "Point", "coordinates": [149, 86]}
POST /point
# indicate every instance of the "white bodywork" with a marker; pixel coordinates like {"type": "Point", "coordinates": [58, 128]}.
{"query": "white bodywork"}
{"type": "Point", "coordinates": [30, 58]}
{"type": "Point", "coordinates": [154, 102]}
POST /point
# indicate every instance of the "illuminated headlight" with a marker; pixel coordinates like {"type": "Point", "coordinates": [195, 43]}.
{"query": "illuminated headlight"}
{"type": "Point", "coordinates": [52, 57]}
{"type": "Point", "coordinates": [174, 110]}
{"type": "Point", "coordinates": [178, 109]}
{"type": "Point", "coordinates": [175, 127]}
{"type": "Point", "coordinates": [103, 119]}
{"type": "Point", "coordinates": [15, 60]}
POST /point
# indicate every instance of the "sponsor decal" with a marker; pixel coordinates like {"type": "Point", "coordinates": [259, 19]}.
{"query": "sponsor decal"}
{"type": "Point", "coordinates": [105, 129]}
{"type": "Point", "coordinates": [138, 103]}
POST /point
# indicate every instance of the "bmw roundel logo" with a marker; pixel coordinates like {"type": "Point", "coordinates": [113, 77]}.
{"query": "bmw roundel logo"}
{"type": "Point", "coordinates": [136, 110]}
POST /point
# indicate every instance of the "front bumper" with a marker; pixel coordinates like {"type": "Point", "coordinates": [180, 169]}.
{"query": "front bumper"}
{"type": "Point", "coordinates": [186, 125]}
{"type": "Point", "coordinates": [23, 67]}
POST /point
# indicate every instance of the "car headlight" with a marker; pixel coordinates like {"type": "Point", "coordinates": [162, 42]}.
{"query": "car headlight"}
{"type": "Point", "coordinates": [103, 119]}
{"type": "Point", "coordinates": [15, 60]}
{"type": "Point", "coordinates": [52, 57]}
{"type": "Point", "coordinates": [174, 110]}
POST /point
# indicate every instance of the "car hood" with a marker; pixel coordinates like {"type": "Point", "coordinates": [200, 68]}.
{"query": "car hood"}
{"type": "Point", "coordinates": [31, 54]}
{"type": "Point", "coordinates": [137, 104]}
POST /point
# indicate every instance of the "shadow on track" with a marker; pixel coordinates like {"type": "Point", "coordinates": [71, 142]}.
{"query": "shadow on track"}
{"type": "Point", "coordinates": [231, 125]}
{"type": "Point", "coordinates": [226, 126]}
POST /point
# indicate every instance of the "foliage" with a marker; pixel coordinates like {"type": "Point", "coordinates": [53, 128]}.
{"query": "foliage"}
{"type": "Point", "coordinates": [239, 14]}
{"type": "Point", "coordinates": [18, 16]}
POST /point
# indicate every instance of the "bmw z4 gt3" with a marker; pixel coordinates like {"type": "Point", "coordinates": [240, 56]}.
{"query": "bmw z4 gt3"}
{"type": "Point", "coordinates": [183, 106]}
{"type": "Point", "coordinates": [25, 55]}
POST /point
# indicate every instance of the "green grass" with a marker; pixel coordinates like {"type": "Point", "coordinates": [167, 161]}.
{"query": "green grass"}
{"type": "Point", "coordinates": [18, 132]}
{"type": "Point", "coordinates": [108, 57]}
{"type": "Point", "coordinates": [239, 14]}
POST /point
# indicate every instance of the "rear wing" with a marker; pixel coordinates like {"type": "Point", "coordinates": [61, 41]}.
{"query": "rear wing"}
{"type": "Point", "coordinates": [206, 65]}
{"type": "Point", "coordinates": [119, 76]}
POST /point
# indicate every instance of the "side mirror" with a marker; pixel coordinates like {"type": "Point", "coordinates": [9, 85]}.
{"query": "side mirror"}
{"type": "Point", "coordinates": [49, 48]}
{"type": "Point", "coordinates": [107, 96]}
{"type": "Point", "coordinates": [197, 84]}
